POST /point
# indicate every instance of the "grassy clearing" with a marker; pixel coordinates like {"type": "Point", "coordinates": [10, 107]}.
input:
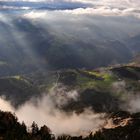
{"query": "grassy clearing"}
{"type": "Point", "coordinates": [103, 84]}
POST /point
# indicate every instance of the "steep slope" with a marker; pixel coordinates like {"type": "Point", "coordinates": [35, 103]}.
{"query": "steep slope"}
{"type": "Point", "coordinates": [38, 48]}
{"type": "Point", "coordinates": [17, 89]}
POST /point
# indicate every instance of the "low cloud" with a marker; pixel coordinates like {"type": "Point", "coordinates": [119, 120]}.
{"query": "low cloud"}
{"type": "Point", "coordinates": [105, 11]}
{"type": "Point", "coordinates": [4, 7]}
{"type": "Point", "coordinates": [90, 11]}
{"type": "Point", "coordinates": [132, 103]}
{"type": "Point", "coordinates": [130, 98]}
{"type": "Point", "coordinates": [44, 111]}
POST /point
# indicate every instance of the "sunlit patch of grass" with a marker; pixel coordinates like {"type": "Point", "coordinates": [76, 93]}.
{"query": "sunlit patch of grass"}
{"type": "Point", "coordinates": [109, 77]}
{"type": "Point", "coordinates": [97, 74]}
{"type": "Point", "coordinates": [101, 85]}
{"type": "Point", "coordinates": [2, 63]}
{"type": "Point", "coordinates": [84, 82]}
{"type": "Point", "coordinates": [18, 78]}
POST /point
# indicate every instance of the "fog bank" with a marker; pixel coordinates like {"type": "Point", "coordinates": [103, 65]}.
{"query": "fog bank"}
{"type": "Point", "coordinates": [44, 111]}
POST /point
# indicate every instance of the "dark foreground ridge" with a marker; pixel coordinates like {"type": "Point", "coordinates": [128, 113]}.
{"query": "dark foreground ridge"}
{"type": "Point", "coordinates": [125, 126]}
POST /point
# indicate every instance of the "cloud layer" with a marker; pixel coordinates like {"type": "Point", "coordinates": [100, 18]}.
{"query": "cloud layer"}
{"type": "Point", "coordinates": [103, 7]}
{"type": "Point", "coordinates": [111, 3]}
